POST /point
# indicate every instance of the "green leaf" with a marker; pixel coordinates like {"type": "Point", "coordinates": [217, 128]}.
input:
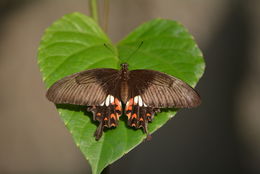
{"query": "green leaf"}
{"type": "Point", "coordinates": [75, 43]}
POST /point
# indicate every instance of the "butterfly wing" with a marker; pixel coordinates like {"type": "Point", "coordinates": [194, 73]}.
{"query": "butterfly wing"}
{"type": "Point", "coordinates": [84, 88]}
{"type": "Point", "coordinates": [96, 88]}
{"type": "Point", "coordinates": [151, 90]}
{"type": "Point", "coordinates": [160, 90]}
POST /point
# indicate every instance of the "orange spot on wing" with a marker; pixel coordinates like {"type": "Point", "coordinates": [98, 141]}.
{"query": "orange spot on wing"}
{"type": "Point", "coordinates": [105, 119]}
{"type": "Point", "coordinates": [148, 114]}
{"type": "Point", "coordinates": [141, 119]}
{"type": "Point", "coordinates": [113, 124]}
{"type": "Point", "coordinates": [118, 108]}
{"type": "Point", "coordinates": [130, 102]}
{"type": "Point", "coordinates": [113, 116]}
{"type": "Point", "coordinates": [133, 125]}
{"type": "Point", "coordinates": [134, 116]}
{"type": "Point", "coordinates": [128, 115]}
{"type": "Point", "coordinates": [118, 115]}
{"type": "Point", "coordinates": [117, 102]}
{"type": "Point", "coordinates": [98, 114]}
{"type": "Point", "coordinates": [129, 108]}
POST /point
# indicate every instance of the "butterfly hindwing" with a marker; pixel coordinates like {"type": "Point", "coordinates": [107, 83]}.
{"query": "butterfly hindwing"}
{"type": "Point", "coordinates": [107, 114]}
{"type": "Point", "coordinates": [138, 113]}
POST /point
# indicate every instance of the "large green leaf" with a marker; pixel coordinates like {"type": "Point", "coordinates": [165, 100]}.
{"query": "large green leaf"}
{"type": "Point", "coordinates": [76, 43]}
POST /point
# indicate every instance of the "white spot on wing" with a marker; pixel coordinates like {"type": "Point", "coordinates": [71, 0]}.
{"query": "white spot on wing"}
{"type": "Point", "coordinates": [140, 101]}
{"type": "Point", "coordinates": [112, 99]}
{"type": "Point", "coordinates": [136, 99]}
{"type": "Point", "coordinates": [145, 105]}
{"type": "Point", "coordinates": [120, 104]}
{"type": "Point", "coordinates": [102, 104]}
{"type": "Point", "coordinates": [107, 100]}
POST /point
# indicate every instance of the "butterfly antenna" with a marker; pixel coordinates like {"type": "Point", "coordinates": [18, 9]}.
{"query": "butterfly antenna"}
{"type": "Point", "coordinates": [134, 51]}
{"type": "Point", "coordinates": [108, 48]}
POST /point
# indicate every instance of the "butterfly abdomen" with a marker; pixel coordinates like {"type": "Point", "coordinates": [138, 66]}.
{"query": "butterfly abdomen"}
{"type": "Point", "coordinates": [124, 77]}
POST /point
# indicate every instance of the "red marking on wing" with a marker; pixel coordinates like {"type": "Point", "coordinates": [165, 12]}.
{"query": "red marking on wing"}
{"type": "Point", "coordinates": [117, 102]}
{"type": "Point", "coordinates": [128, 115]}
{"type": "Point", "coordinates": [129, 105]}
{"type": "Point", "coordinates": [134, 116]}
{"type": "Point", "coordinates": [130, 102]}
{"type": "Point", "coordinates": [130, 108]}
{"type": "Point", "coordinates": [113, 116]}
{"type": "Point", "coordinates": [118, 108]}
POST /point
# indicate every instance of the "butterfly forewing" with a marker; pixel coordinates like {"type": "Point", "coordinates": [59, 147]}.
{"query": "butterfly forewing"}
{"type": "Point", "coordinates": [85, 88]}
{"type": "Point", "coordinates": [160, 90]}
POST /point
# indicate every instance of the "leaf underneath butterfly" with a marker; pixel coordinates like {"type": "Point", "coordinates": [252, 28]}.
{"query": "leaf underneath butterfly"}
{"type": "Point", "coordinates": [76, 43]}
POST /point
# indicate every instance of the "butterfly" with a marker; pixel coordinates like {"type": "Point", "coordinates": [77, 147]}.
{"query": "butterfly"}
{"type": "Point", "coordinates": [108, 93]}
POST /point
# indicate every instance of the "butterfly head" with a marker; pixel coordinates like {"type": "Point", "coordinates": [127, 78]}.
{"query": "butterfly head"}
{"type": "Point", "coordinates": [124, 66]}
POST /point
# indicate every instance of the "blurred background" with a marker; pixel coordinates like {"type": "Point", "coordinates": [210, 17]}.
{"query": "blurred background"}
{"type": "Point", "coordinates": [221, 136]}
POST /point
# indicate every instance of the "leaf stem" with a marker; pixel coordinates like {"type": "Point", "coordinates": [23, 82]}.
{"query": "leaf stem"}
{"type": "Point", "coordinates": [106, 15]}
{"type": "Point", "coordinates": [93, 9]}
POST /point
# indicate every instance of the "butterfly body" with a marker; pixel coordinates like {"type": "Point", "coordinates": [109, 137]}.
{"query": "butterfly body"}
{"type": "Point", "coordinates": [123, 83]}
{"type": "Point", "coordinates": [105, 91]}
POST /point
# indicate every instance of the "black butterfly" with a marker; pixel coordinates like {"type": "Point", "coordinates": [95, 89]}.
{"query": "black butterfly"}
{"type": "Point", "coordinates": [104, 91]}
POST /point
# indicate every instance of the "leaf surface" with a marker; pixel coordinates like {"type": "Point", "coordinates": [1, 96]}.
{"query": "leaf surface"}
{"type": "Point", "coordinates": [75, 43]}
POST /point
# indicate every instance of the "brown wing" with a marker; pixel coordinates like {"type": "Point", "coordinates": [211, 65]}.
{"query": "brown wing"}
{"type": "Point", "coordinates": [89, 87]}
{"type": "Point", "coordinates": [160, 90]}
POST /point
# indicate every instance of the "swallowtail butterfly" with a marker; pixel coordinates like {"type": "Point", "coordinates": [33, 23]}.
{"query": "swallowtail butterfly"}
{"type": "Point", "coordinates": [107, 91]}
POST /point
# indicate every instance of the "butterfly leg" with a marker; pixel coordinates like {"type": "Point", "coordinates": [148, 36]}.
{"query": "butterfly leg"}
{"type": "Point", "coordinates": [107, 116]}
